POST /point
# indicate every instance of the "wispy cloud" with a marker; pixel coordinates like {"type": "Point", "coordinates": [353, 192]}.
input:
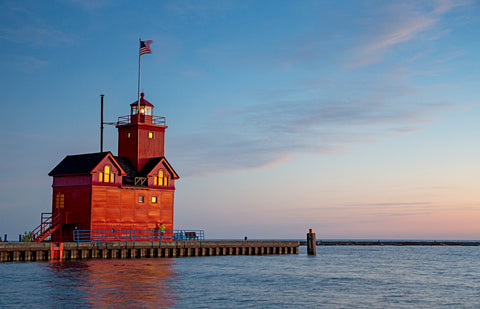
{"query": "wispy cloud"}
{"type": "Point", "coordinates": [37, 35]}
{"type": "Point", "coordinates": [24, 26]}
{"type": "Point", "coordinates": [89, 5]}
{"type": "Point", "coordinates": [405, 22]}
{"type": "Point", "coordinates": [327, 114]}
{"type": "Point", "coordinates": [260, 135]}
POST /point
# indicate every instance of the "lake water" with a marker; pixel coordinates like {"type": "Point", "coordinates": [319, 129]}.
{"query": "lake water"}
{"type": "Point", "coordinates": [338, 277]}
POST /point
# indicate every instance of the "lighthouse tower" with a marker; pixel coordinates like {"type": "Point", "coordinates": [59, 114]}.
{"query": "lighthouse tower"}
{"type": "Point", "coordinates": [131, 191]}
{"type": "Point", "coordinates": [141, 135]}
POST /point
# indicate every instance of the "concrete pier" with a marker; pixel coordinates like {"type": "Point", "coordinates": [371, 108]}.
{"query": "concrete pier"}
{"type": "Point", "coordinates": [13, 252]}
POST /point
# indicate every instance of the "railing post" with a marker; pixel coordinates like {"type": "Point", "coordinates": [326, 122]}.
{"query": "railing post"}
{"type": "Point", "coordinates": [76, 236]}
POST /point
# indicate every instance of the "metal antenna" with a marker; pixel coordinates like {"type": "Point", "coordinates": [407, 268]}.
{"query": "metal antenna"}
{"type": "Point", "coordinates": [101, 123]}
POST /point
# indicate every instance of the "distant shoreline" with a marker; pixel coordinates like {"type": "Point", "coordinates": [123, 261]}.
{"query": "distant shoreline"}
{"type": "Point", "coordinates": [393, 243]}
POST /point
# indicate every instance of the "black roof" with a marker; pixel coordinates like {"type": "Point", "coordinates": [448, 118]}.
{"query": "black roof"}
{"type": "Point", "coordinates": [127, 166]}
{"type": "Point", "coordinates": [147, 168]}
{"type": "Point", "coordinates": [85, 163]}
{"type": "Point", "coordinates": [150, 165]}
{"type": "Point", "coordinates": [78, 164]}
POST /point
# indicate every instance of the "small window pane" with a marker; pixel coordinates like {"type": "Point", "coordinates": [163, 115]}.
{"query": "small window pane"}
{"type": "Point", "coordinates": [106, 175]}
{"type": "Point", "coordinates": [140, 199]}
{"type": "Point", "coordinates": [60, 200]}
{"type": "Point", "coordinates": [154, 199]}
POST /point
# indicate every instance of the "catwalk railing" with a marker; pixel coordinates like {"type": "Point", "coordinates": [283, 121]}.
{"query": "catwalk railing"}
{"type": "Point", "coordinates": [158, 120]}
{"type": "Point", "coordinates": [136, 235]}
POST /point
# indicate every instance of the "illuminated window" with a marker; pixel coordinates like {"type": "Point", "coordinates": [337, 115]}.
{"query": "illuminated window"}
{"type": "Point", "coordinates": [106, 174]}
{"type": "Point", "coordinates": [129, 135]}
{"type": "Point", "coordinates": [161, 179]}
{"type": "Point", "coordinates": [150, 134]}
{"type": "Point", "coordinates": [140, 199]}
{"type": "Point", "coordinates": [154, 199]}
{"type": "Point", "coordinates": [60, 200]}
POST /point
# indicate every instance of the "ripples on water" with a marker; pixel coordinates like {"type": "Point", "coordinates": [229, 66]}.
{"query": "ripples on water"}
{"type": "Point", "coordinates": [338, 277]}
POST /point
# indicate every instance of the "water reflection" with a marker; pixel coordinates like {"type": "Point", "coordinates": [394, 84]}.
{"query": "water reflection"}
{"type": "Point", "coordinates": [145, 283]}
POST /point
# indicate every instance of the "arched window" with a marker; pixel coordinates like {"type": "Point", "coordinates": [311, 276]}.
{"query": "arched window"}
{"type": "Point", "coordinates": [106, 175]}
{"type": "Point", "coordinates": [161, 179]}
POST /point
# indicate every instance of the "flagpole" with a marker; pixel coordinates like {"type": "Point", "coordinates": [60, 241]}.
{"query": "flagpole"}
{"type": "Point", "coordinates": [138, 94]}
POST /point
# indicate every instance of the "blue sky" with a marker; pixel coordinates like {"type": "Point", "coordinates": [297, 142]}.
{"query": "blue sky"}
{"type": "Point", "coordinates": [358, 119]}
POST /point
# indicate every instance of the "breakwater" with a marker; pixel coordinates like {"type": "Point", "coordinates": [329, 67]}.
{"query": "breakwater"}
{"type": "Point", "coordinates": [392, 243]}
{"type": "Point", "coordinates": [12, 252]}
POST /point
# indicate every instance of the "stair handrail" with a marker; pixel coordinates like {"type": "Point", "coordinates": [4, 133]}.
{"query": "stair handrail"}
{"type": "Point", "coordinates": [46, 224]}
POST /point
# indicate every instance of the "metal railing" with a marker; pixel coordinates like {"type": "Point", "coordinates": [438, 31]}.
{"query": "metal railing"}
{"type": "Point", "coordinates": [123, 120]}
{"type": "Point", "coordinates": [141, 181]}
{"type": "Point", "coordinates": [118, 235]}
{"type": "Point", "coordinates": [48, 223]}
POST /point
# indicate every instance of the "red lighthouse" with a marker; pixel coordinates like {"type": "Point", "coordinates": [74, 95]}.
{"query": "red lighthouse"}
{"type": "Point", "coordinates": [131, 191]}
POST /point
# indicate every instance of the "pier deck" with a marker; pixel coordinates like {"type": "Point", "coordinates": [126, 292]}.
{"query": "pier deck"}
{"type": "Point", "coordinates": [12, 252]}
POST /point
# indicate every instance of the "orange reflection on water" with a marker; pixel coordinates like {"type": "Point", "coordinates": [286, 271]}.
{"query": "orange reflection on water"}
{"type": "Point", "coordinates": [141, 283]}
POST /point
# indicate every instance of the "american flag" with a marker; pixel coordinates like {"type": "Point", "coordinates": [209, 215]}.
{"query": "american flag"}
{"type": "Point", "coordinates": [145, 47]}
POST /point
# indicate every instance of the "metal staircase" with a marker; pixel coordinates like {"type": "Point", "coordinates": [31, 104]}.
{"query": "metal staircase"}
{"type": "Point", "coordinates": [48, 225]}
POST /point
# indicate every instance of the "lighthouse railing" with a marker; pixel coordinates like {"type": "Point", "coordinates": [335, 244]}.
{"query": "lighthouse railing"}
{"type": "Point", "coordinates": [128, 119]}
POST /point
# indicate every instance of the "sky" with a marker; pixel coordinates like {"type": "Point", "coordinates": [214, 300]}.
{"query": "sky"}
{"type": "Point", "coordinates": [357, 119]}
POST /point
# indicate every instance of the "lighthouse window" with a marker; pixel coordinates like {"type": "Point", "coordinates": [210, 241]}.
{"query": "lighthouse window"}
{"type": "Point", "coordinates": [106, 175]}
{"type": "Point", "coordinates": [158, 180]}
{"type": "Point", "coordinates": [150, 134]}
{"type": "Point", "coordinates": [161, 179]}
{"type": "Point", "coordinates": [60, 200]}
{"type": "Point", "coordinates": [154, 199]}
{"type": "Point", "coordinates": [129, 135]}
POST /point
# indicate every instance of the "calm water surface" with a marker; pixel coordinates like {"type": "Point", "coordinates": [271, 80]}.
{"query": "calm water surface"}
{"type": "Point", "coordinates": [338, 277]}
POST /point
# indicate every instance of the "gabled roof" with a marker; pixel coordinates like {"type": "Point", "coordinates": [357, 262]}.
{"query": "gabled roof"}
{"type": "Point", "coordinates": [153, 163]}
{"type": "Point", "coordinates": [82, 164]}
{"type": "Point", "coordinates": [87, 163]}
